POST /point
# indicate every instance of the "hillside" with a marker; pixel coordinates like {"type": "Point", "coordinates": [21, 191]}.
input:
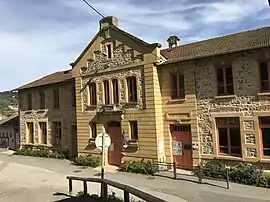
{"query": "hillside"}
{"type": "Point", "coordinates": [8, 98]}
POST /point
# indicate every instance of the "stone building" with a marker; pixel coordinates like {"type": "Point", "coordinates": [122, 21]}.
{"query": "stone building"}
{"type": "Point", "coordinates": [9, 132]}
{"type": "Point", "coordinates": [48, 114]}
{"type": "Point", "coordinates": [207, 99]}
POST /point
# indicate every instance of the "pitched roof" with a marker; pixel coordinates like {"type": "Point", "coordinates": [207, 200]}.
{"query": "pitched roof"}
{"type": "Point", "coordinates": [143, 43]}
{"type": "Point", "coordinates": [242, 41]}
{"type": "Point", "coordinates": [9, 118]}
{"type": "Point", "coordinates": [55, 77]}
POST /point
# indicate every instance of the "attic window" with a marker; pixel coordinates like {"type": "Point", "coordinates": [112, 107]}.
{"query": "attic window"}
{"type": "Point", "coordinates": [109, 51]}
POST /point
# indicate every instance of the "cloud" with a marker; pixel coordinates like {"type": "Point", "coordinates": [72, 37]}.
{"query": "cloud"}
{"type": "Point", "coordinates": [40, 37]}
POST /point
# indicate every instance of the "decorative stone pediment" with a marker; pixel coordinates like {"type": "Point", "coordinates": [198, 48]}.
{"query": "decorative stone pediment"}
{"type": "Point", "coordinates": [120, 55]}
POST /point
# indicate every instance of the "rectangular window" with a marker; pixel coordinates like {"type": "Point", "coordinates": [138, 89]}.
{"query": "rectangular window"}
{"type": "Point", "coordinates": [43, 132]}
{"type": "Point", "coordinates": [178, 86]}
{"type": "Point", "coordinates": [265, 132]}
{"type": "Point", "coordinates": [264, 76]}
{"type": "Point", "coordinates": [109, 51]}
{"type": "Point", "coordinates": [133, 129]}
{"type": "Point", "coordinates": [73, 97]}
{"type": "Point", "coordinates": [29, 101]}
{"type": "Point", "coordinates": [229, 136]}
{"type": "Point", "coordinates": [92, 94]}
{"type": "Point", "coordinates": [225, 81]}
{"type": "Point", "coordinates": [115, 91]}
{"type": "Point", "coordinates": [42, 100]}
{"type": "Point", "coordinates": [57, 132]}
{"type": "Point", "coordinates": [56, 98]}
{"type": "Point", "coordinates": [106, 91]}
{"type": "Point", "coordinates": [93, 127]}
{"type": "Point", "coordinates": [30, 131]}
{"type": "Point", "coordinates": [132, 89]}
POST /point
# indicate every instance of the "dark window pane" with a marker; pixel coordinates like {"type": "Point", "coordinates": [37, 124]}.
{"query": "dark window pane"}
{"type": "Point", "coordinates": [236, 150]}
{"type": "Point", "coordinates": [233, 121]}
{"type": "Point", "coordinates": [229, 75]}
{"type": "Point", "coordinates": [223, 138]}
{"type": "Point", "coordinates": [266, 152]}
{"type": "Point", "coordinates": [264, 76]}
{"type": "Point", "coordinates": [220, 76]}
{"type": "Point", "coordinates": [222, 121]}
{"type": "Point", "coordinates": [265, 120]}
{"type": "Point", "coordinates": [115, 91]}
{"type": "Point", "coordinates": [181, 86]}
{"type": "Point", "coordinates": [266, 137]}
{"type": "Point", "coordinates": [174, 86]}
{"type": "Point", "coordinates": [224, 150]}
{"type": "Point", "coordinates": [235, 137]}
{"type": "Point", "coordinates": [93, 98]}
{"type": "Point", "coordinates": [107, 92]}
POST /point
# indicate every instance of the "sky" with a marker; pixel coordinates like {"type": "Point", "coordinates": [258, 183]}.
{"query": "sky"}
{"type": "Point", "coordinates": [39, 37]}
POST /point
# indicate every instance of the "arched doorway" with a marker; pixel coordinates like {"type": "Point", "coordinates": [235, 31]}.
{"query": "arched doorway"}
{"type": "Point", "coordinates": [114, 153]}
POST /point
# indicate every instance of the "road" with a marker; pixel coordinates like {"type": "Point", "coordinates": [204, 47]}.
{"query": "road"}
{"type": "Point", "coordinates": [39, 179]}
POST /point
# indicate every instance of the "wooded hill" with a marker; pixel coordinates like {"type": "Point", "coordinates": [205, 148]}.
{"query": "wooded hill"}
{"type": "Point", "coordinates": [8, 98]}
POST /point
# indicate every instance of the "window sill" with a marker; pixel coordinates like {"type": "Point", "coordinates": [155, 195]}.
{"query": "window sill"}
{"type": "Point", "coordinates": [264, 93]}
{"type": "Point", "coordinates": [265, 159]}
{"type": "Point", "coordinates": [227, 157]}
{"type": "Point", "coordinates": [225, 96]}
{"type": "Point", "coordinates": [176, 100]}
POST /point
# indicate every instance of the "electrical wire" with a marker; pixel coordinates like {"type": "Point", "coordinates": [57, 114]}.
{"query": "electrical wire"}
{"type": "Point", "coordinates": [110, 23]}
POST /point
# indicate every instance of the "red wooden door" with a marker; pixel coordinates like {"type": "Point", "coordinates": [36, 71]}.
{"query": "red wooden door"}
{"type": "Point", "coordinates": [114, 153]}
{"type": "Point", "coordinates": [182, 145]}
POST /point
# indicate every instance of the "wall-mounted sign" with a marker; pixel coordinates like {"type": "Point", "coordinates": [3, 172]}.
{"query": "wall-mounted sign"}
{"type": "Point", "coordinates": [177, 148]}
{"type": "Point", "coordinates": [161, 147]}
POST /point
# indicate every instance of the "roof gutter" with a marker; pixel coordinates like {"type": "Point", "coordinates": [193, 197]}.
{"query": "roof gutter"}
{"type": "Point", "coordinates": [208, 56]}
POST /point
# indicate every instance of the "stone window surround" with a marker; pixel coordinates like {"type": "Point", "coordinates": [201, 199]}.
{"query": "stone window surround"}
{"type": "Point", "coordinates": [39, 130]}
{"type": "Point", "coordinates": [224, 74]}
{"type": "Point", "coordinates": [106, 47]}
{"type": "Point", "coordinates": [53, 132]}
{"type": "Point", "coordinates": [178, 87]}
{"type": "Point", "coordinates": [257, 116]}
{"type": "Point", "coordinates": [214, 133]}
{"type": "Point", "coordinates": [27, 131]}
{"type": "Point", "coordinates": [111, 88]}
{"type": "Point", "coordinates": [267, 61]}
{"type": "Point", "coordinates": [176, 70]}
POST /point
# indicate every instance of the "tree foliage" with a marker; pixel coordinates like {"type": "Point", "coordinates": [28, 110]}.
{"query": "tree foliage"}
{"type": "Point", "coordinates": [8, 98]}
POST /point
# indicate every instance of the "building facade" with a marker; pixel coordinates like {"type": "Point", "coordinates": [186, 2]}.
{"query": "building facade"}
{"type": "Point", "coordinates": [189, 102]}
{"type": "Point", "coordinates": [9, 132]}
{"type": "Point", "coordinates": [47, 113]}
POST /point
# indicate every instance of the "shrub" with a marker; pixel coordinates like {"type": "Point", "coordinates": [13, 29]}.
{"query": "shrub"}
{"type": "Point", "coordinates": [243, 173]}
{"type": "Point", "coordinates": [111, 197]}
{"type": "Point", "coordinates": [40, 152]}
{"type": "Point", "coordinates": [142, 167]}
{"type": "Point", "coordinates": [90, 160]}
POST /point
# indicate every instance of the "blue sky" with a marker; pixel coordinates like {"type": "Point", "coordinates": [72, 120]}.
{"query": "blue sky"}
{"type": "Point", "coordinates": [38, 37]}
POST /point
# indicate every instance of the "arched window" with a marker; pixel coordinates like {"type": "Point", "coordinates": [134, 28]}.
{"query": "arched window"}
{"type": "Point", "coordinates": [132, 89]}
{"type": "Point", "coordinates": [115, 91]}
{"type": "Point", "coordinates": [106, 91]}
{"type": "Point", "coordinates": [92, 94]}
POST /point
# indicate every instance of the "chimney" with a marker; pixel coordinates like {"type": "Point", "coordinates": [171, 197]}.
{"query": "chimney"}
{"type": "Point", "coordinates": [172, 41]}
{"type": "Point", "coordinates": [107, 22]}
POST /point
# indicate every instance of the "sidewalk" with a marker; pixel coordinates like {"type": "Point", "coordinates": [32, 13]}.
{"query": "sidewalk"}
{"type": "Point", "coordinates": [49, 175]}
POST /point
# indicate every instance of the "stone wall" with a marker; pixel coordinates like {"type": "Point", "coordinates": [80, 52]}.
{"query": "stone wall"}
{"type": "Point", "coordinates": [65, 114]}
{"type": "Point", "coordinates": [121, 55]}
{"type": "Point", "coordinates": [245, 104]}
